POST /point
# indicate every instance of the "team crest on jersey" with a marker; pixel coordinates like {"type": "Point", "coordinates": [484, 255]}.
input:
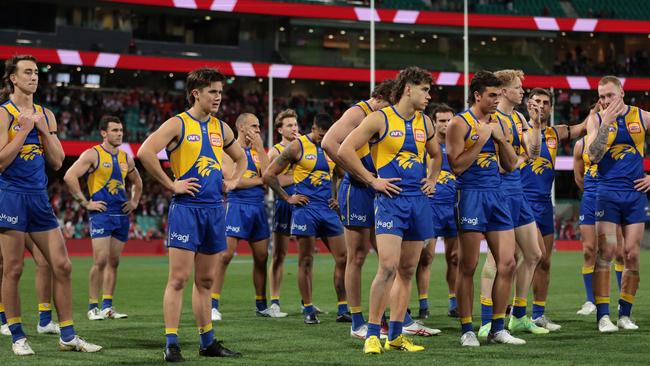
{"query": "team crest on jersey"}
{"type": "Point", "coordinates": [106, 164]}
{"type": "Point", "coordinates": [634, 127]}
{"type": "Point", "coordinates": [317, 178]}
{"type": "Point", "coordinates": [445, 177]}
{"type": "Point", "coordinates": [206, 165]}
{"type": "Point", "coordinates": [406, 159]}
{"type": "Point", "coordinates": [310, 157]}
{"type": "Point", "coordinates": [540, 165]}
{"type": "Point", "coordinates": [114, 186]}
{"type": "Point", "coordinates": [193, 138]}
{"type": "Point", "coordinates": [396, 133]}
{"type": "Point", "coordinates": [29, 152]}
{"type": "Point", "coordinates": [216, 140]}
{"type": "Point", "coordinates": [420, 135]}
{"type": "Point", "coordinates": [551, 142]}
{"type": "Point", "coordinates": [124, 167]}
{"type": "Point", "coordinates": [249, 174]}
{"type": "Point", "coordinates": [485, 159]}
{"type": "Point", "coordinates": [619, 151]}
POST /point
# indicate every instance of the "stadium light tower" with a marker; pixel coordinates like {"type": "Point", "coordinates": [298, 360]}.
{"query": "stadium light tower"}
{"type": "Point", "coordinates": [372, 45]}
{"type": "Point", "coordinates": [465, 51]}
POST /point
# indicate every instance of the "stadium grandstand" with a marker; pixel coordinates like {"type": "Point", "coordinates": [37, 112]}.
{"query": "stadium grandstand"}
{"type": "Point", "coordinates": [131, 58]}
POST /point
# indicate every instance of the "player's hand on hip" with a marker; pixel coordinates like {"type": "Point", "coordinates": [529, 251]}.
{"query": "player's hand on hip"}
{"type": "Point", "coordinates": [186, 186]}
{"type": "Point", "coordinates": [298, 199]}
{"type": "Point", "coordinates": [386, 186]}
{"type": "Point", "coordinates": [642, 184]}
{"type": "Point", "coordinates": [333, 203]}
{"type": "Point", "coordinates": [428, 186]}
{"type": "Point", "coordinates": [97, 206]}
{"type": "Point", "coordinates": [129, 206]}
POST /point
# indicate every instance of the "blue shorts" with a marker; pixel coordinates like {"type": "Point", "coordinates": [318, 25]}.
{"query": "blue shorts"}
{"type": "Point", "coordinates": [197, 229]}
{"type": "Point", "coordinates": [282, 217]}
{"type": "Point", "coordinates": [519, 209]}
{"type": "Point", "coordinates": [588, 209]}
{"type": "Point", "coordinates": [26, 212]}
{"type": "Point", "coordinates": [356, 204]}
{"type": "Point", "coordinates": [483, 211]}
{"type": "Point", "coordinates": [315, 220]}
{"type": "Point", "coordinates": [543, 212]}
{"type": "Point", "coordinates": [246, 221]}
{"type": "Point", "coordinates": [404, 216]}
{"type": "Point", "coordinates": [103, 225]}
{"type": "Point", "coordinates": [623, 208]}
{"type": "Point", "coordinates": [444, 219]}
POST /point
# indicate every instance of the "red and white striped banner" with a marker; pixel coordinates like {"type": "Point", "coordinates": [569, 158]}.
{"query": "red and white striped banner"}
{"type": "Point", "coordinates": [451, 19]}
{"type": "Point", "coordinates": [283, 71]}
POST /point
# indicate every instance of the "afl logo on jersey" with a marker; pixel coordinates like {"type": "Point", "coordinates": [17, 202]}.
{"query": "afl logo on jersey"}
{"type": "Point", "coordinates": [310, 157]}
{"type": "Point", "coordinates": [215, 140]}
{"type": "Point", "coordinates": [612, 129]}
{"type": "Point", "coordinates": [634, 127]}
{"type": "Point", "coordinates": [16, 127]}
{"type": "Point", "coordinates": [193, 138]}
{"type": "Point", "coordinates": [474, 137]}
{"type": "Point", "coordinates": [396, 133]}
{"type": "Point", "coordinates": [552, 143]}
{"type": "Point", "coordinates": [420, 135]}
{"type": "Point", "coordinates": [106, 164]}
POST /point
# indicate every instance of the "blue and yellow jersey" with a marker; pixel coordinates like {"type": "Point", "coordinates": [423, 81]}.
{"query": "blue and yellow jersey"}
{"type": "Point", "coordinates": [199, 155]}
{"type": "Point", "coordinates": [446, 184]}
{"type": "Point", "coordinates": [251, 195]}
{"type": "Point", "coordinates": [591, 170]}
{"type": "Point", "coordinates": [623, 159]}
{"type": "Point", "coordinates": [107, 181]}
{"type": "Point", "coordinates": [27, 172]}
{"type": "Point", "coordinates": [537, 176]}
{"type": "Point", "coordinates": [290, 189]}
{"type": "Point", "coordinates": [312, 173]}
{"type": "Point", "coordinates": [511, 181]}
{"type": "Point", "coordinates": [400, 152]}
{"type": "Point", "coordinates": [484, 172]}
{"type": "Point", "coordinates": [364, 152]}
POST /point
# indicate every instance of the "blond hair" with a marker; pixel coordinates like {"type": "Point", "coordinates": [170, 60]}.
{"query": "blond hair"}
{"type": "Point", "coordinates": [508, 76]}
{"type": "Point", "coordinates": [611, 79]}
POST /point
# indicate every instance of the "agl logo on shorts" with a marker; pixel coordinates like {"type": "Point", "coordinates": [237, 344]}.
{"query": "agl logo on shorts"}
{"type": "Point", "coordinates": [355, 216]}
{"type": "Point", "coordinates": [233, 229]}
{"type": "Point", "coordinates": [9, 219]}
{"type": "Point", "coordinates": [183, 238]}
{"type": "Point", "coordinates": [384, 224]}
{"type": "Point", "coordinates": [297, 227]}
{"type": "Point", "coordinates": [469, 220]}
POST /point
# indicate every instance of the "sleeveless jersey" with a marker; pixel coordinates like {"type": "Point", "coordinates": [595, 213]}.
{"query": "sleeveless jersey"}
{"type": "Point", "coordinates": [623, 159]}
{"type": "Point", "coordinates": [400, 152]}
{"type": "Point", "coordinates": [364, 152]}
{"type": "Point", "coordinates": [290, 189]}
{"type": "Point", "coordinates": [591, 170]}
{"type": "Point", "coordinates": [511, 181]}
{"type": "Point", "coordinates": [312, 174]}
{"type": "Point", "coordinates": [27, 172]}
{"type": "Point", "coordinates": [484, 172]}
{"type": "Point", "coordinates": [107, 181]}
{"type": "Point", "coordinates": [537, 176]}
{"type": "Point", "coordinates": [199, 155]}
{"type": "Point", "coordinates": [250, 195]}
{"type": "Point", "coordinates": [446, 184]}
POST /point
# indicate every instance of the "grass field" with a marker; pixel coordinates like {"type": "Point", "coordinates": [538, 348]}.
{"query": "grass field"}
{"type": "Point", "coordinates": [140, 340]}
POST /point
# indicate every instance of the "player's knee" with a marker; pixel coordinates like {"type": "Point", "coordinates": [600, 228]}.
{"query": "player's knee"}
{"type": "Point", "coordinates": [603, 261]}
{"type": "Point", "coordinates": [278, 256]}
{"type": "Point", "coordinates": [506, 266]}
{"type": "Point", "coordinates": [631, 258]}
{"type": "Point", "coordinates": [101, 263]}
{"type": "Point", "coordinates": [386, 271]}
{"type": "Point", "coordinates": [62, 268]}
{"type": "Point", "coordinates": [204, 282]}
{"type": "Point", "coordinates": [532, 258]}
{"type": "Point", "coordinates": [589, 254]}
{"type": "Point", "coordinates": [467, 266]}
{"type": "Point", "coordinates": [177, 282]}
{"type": "Point", "coordinates": [452, 259]}
{"type": "Point", "coordinates": [13, 271]}
{"type": "Point", "coordinates": [306, 261]}
{"type": "Point", "coordinates": [489, 271]}
{"type": "Point", "coordinates": [606, 252]}
{"type": "Point", "coordinates": [406, 271]}
{"type": "Point", "coordinates": [226, 257]}
{"type": "Point", "coordinates": [426, 258]}
{"type": "Point", "coordinates": [114, 262]}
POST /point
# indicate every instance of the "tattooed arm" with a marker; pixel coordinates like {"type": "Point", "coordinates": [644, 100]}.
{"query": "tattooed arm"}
{"type": "Point", "coordinates": [290, 154]}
